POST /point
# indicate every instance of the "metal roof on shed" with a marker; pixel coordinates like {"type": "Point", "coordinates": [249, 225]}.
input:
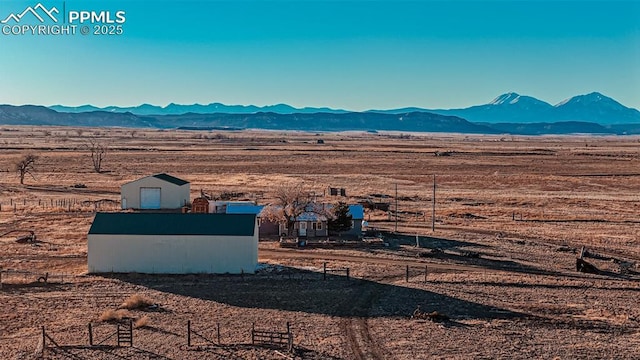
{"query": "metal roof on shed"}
{"type": "Point", "coordinates": [171, 179]}
{"type": "Point", "coordinates": [356, 211]}
{"type": "Point", "coordinates": [244, 209]}
{"type": "Point", "coordinates": [173, 224]}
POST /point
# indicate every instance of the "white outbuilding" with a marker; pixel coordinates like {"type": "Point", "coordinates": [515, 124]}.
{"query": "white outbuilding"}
{"type": "Point", "coordinates": [159, 191]}
{"type": "Point", "coordinates": [173, 243]}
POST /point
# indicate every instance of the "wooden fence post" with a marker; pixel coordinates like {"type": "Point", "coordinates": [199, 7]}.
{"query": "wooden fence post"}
{"type": "Point", "coordinates": [218, 332]}
{"type": "Point", "coordinates": [406, 276]}
{"type": "Point", "coordinates": [188, 332]}
{"type": "Point", "coordinates": [289, 338]}
{"type": "Point", "coordinates": [44, 338]}
{"type": "Point", "coordinates": [90, 335]}
{"type": "Point", "coordinates": [324, 271]}
{"type": "Point", "coordinates": [425, 273]}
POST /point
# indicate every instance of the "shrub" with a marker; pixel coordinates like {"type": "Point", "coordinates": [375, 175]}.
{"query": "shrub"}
{"type": "Point", "coordinates": [136, 301]}
{"type": "Point", "coordinates": [114, 315]}
{"type": "Point", "coordinates": [141, 322]}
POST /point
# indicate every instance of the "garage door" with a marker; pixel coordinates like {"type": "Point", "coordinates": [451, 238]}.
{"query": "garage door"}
{"type": "Point", "coordinates": [149, 198]}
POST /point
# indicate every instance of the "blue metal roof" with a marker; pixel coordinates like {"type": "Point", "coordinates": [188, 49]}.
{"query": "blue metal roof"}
{"type": "Point", "coordinates": [244, 209]}
{"type": "Point", "coordinates": [356, 211]}
{"type": "Point", "coordinates": [173, 224]}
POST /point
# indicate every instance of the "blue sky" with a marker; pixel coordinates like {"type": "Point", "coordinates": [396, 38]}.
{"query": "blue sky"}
{"type": "Point", "coordinates": [342, 54]}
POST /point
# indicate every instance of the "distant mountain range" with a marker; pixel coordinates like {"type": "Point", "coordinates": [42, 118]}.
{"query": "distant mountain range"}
{"type": "Point", "coordinates": [507, 114]}
{"type": "Point", "coordinates": [515, 108]}
{"type": "Point", "coordinates": [506, 108]}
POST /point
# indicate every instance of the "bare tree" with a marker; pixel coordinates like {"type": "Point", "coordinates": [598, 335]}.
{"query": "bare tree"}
{"type": "Point", "coordinates": [98, 152]}
{"type": "Point", "coordinates": [292, 200]}
{"type": "Point", "coordinates": [25, 166]}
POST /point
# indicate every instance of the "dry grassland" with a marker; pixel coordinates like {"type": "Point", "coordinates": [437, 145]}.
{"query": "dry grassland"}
{"type": "Point", "coordinates": [523, 205]}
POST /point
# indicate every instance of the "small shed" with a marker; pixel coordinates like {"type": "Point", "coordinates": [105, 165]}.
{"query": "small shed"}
{"type": "Point", "coordinates": [200, 205]}
{"type": "Point", "coordinates": [357, 216]}
{"type": "Point", "coordinates": [173, 243]}
{"type": "Point", "coordinates": [266, 227]}
{"type": "Point", "coordinates": [159, 191]}
{"type": "Point", "coordinates": [220, 206]}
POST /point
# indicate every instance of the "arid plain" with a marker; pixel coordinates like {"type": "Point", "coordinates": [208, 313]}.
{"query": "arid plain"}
{"type": "Point", "coordinates": [512, 214]}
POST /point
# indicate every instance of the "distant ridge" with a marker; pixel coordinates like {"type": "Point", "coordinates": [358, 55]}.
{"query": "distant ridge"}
{"type": "Point", "coordinates": [507, 108]}
{"type": "Point", "coordinates": [213, 108]}
{"type": "Point", "coordinates": [414, 121]}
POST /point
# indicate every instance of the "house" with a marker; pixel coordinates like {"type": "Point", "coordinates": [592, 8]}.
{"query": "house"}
{"type": "Point", "coordinates": [313, 222]}
{"type": "Point", "coordinates": [159, 191]}
{"type": "Point", "coordinates": [173, 243]}
{"type": "Point", "coordinates": [310, 224]}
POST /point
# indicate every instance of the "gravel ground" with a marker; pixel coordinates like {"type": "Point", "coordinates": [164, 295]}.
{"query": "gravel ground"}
{"type": "Point", "coordinates": [494, 312]}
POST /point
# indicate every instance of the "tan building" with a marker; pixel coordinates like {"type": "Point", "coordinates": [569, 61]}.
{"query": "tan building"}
{"type": "Point", "coordinates": [159, 191]}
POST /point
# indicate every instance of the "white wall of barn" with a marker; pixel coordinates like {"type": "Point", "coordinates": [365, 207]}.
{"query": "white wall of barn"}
{"type": "Point", "coordinates": [172, 196]}
{"type": "Point", "coordinates": [172, 254]}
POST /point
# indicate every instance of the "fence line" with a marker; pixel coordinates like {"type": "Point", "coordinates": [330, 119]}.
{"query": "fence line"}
{"type": "Point", "coordinates": [39, 277]}
{"type": "Point", "coordinates": [124, 337]}
{"type": "Point", "coordinates": [272, 338]}
{"type": "Point", "coordinates": [66, 204]}
{"type": "Point", "coordinates": [325, 270]}
{"type": "Point", "coordinates": [191, 332]}
{"type": "Point", "coordinates": [408, 273]}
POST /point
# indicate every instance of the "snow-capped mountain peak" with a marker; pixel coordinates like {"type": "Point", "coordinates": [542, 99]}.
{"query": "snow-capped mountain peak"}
{"type": "Point", "coordinates": [520, 101]}
{"type": "Point", "coordinates": [594, 97]}
{"type": "Point", "coordinates": [508, 98]}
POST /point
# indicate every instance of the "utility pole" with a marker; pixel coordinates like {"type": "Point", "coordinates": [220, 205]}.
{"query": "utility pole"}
{"type": "Point", "coordinates": [396, 207]}
{"type": "Point", "coordinates": [433, 210]}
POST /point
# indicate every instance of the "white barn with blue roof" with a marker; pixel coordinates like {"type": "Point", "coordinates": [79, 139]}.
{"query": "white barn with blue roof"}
{"type": "Point", "coordinates": [173, 243]}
